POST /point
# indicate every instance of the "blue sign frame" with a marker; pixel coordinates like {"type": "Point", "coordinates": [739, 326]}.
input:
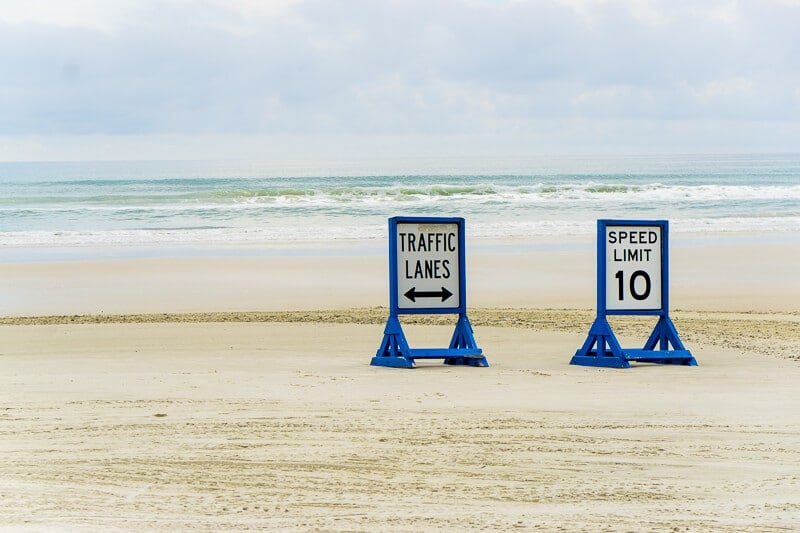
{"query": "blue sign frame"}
{"type": "Point", "coordinates": [602, 347]}
{"type": "Point", "coordinates": [394, 350]}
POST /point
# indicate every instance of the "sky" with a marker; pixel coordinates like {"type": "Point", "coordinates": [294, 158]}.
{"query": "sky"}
{"type": "Point", "coordinates": [246, 79]}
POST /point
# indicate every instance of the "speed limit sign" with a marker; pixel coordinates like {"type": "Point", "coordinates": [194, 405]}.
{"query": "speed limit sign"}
{"type": "Point", "coordinates": [632, 279]}
{"type": "Point", "coordinates": [634, 267]}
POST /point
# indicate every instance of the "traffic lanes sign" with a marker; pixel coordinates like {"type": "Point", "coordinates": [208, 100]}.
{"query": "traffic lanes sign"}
{"type": "Point", "coordinates": [428, 264]}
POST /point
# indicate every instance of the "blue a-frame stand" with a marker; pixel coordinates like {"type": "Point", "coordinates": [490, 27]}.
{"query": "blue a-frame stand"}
{"type": "Point", "coordinates": [601, 347]}
{"type": "Point", "coordinates": [394, 350]}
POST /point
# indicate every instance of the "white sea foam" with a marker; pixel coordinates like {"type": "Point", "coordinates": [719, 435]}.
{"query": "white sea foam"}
{"type": "Point", "coordinates": [591, 191]}
{"type": "Point", "coordinates": [196, 203]}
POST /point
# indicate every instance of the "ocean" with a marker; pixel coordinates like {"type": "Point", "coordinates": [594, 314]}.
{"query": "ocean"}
{"type": "Point", "coordinates": [169, 203]}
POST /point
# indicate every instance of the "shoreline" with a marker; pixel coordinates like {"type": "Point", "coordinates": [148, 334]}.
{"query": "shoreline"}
{"type": "Point", "coordinates": [359, 247]}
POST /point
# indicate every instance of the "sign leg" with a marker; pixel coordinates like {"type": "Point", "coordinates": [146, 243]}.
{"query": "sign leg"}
{"type": "Point", "coordinates": [464, 339]}
{"type": "Point", "coordinates": [665, 335]}
{"type": "Point", "coordinates": [394, 350]}
{"type": "Point", "coordinates": [607, 351]}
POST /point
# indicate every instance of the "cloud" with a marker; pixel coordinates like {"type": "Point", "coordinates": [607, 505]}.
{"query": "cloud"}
{"type": "Point", "coordinates": [364, 67]}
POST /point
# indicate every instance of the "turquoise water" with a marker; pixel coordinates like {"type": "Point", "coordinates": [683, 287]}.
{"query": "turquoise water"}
{"type": "Point", "coordinates": [153, 203]}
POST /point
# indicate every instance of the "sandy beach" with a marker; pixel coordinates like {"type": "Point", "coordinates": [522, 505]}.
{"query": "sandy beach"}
{"type": "Point", "coordinates": [235, 392]}
{"type": "Point", "coordinates": [216, 217]}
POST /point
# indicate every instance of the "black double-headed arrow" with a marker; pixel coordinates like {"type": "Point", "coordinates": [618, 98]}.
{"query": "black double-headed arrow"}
{"type": "Point", "coordinates": [412, 294]}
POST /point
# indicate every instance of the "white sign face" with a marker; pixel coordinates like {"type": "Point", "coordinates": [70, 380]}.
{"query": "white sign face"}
{"type": "Point", "coordinates": [633, 268]}
{"type": "Point", "coordinates": [427, 266]}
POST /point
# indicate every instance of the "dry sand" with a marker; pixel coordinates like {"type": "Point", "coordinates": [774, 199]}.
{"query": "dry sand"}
{"type": "Point", "coordinates": [208, 415]}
